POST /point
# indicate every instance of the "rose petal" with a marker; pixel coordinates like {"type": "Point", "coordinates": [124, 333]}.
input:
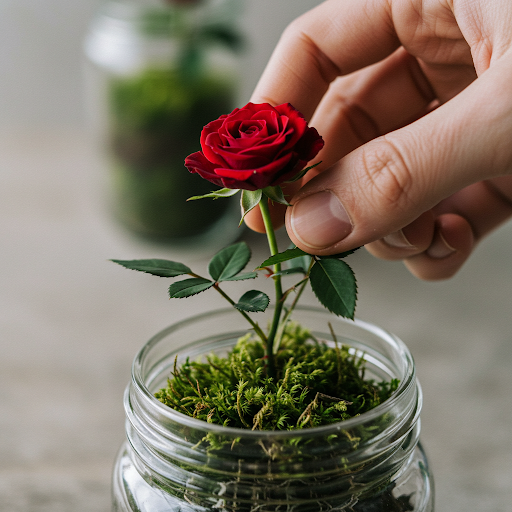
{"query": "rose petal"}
{"type": "Point", "coordinates": [309, 145]}
{"type": "Point", "coordinates": [230, 183]}
{"type": "Point", "coordinates": [288, 110]}
{"type": "Point", "coordinates": [259, 107]}
{"type": "Point", "coordinates": [238, 160]}
{"type": "Point", "coordinates": [234, 173]}
{"type": "Point", "coordinates": [211, 129]}
{"type": "Point", "coordinates": [198, 163]}
{"type": "Point", "coordinates": [295, 130]}
{"type": "Point", "coordinates": [251, 144]}
{"type": "Point", "coordinates": [241, 144]}
{"type": "Point", "coordinates": [209, 147]}
{"type": "Point", "coordinates": [253, 179]}
{"type": "Point", "coordinates": [231, 123]}
{"type": "Point", "coordinates": [270, 174]}
{"type": "Point", "coordinates": [271, 119]}
{"type": "Point", "coordinates": [253, 128]}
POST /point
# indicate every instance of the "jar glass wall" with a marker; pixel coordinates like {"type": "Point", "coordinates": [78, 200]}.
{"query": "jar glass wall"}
{"type": "Point", "coordinates": [370, 463]}
{"type": "Point", "coordinates": [158, 71]}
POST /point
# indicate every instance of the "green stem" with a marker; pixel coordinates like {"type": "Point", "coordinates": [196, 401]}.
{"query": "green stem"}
{"type": "Point", "coordinates": [256, 327]}
{"type": "Point", "coordinates": [289, 311]}
{"type": "Point", "coordinates": [302, 284]}
{"type": "Point", "coordinates": [272, 243]}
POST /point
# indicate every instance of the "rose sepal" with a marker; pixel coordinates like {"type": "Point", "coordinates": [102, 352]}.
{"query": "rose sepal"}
{"type": "Point", "coordinates": [216, 194]}
{"type": "Point", "coordinates": [275, 194]}
{"type": "Point", "coordinates": [250, 199]}
{"type": "Point", "coordinates": [302, 173]}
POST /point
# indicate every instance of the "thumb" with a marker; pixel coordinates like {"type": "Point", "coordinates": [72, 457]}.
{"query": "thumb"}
{"type": "Point", "coordinates": [389, 182]}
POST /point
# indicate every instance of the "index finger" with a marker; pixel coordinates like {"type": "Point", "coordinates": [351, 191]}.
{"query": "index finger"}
{"type": "Point", "coordinates": [333, 39]}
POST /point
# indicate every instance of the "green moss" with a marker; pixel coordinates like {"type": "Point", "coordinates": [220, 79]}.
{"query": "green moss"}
{"type": "Point", "coordinates": [316, 384]}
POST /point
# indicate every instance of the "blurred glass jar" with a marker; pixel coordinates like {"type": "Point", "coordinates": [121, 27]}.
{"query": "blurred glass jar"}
{"type": "Point", "coordinates": [158, 71]}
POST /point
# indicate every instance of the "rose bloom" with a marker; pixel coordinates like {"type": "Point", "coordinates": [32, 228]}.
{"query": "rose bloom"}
{"type": "Point", "coordinates": [254, 147]}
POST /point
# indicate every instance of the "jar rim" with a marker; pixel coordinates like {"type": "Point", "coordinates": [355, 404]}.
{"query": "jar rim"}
{"type": "Point", "coordinates": [167, 412]}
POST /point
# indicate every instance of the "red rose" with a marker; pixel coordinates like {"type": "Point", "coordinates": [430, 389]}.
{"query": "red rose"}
{"type": "Point", "coordinates": [254, 147]}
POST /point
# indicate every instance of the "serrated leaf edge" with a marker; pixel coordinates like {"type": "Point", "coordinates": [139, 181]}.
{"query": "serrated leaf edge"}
{"type": "Point", "coordinates": [235, 248]}
{"type": "Point", "coordinates": [351, 313]}
{"type": "Point", "coordinates": [203, 281]}
{"type": "Point", "coordinates": [283, 256]}
{"type": "Point", "coordinates": [151, 270]}
{"type": "Point", "coordinates": [247, 307]}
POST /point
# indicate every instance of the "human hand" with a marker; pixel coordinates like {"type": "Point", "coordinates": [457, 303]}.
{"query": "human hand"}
{"type": "Point", "coordinates": [414, 102]}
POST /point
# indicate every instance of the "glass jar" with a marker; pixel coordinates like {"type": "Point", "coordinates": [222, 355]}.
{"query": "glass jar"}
{"type": "Point", "coordinates": [370, 463]}
{"type": "Point", "coordinates": [158, 71]}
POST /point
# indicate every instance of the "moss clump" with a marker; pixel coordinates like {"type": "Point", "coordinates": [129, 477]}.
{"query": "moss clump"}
{"type": "Point", "coordinates": [316, 384]}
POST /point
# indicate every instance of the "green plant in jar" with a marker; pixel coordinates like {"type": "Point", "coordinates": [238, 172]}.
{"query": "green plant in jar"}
{"type": "Point", "coordinates": [155, 113]}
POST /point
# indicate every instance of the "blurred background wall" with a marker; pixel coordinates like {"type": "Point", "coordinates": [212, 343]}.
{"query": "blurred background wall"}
{"type": "Point", "coordinates": [70, 323]}
{"type": "Point", "coordinates": [41, 79]}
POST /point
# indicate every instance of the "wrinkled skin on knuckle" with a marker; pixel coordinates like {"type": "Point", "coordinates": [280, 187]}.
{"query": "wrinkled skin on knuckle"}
{"type": "Point", "coordinates": [387, 179]}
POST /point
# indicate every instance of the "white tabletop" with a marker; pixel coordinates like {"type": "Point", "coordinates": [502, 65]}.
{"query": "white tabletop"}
{"type": "Point", "coordinates": [71, 323]}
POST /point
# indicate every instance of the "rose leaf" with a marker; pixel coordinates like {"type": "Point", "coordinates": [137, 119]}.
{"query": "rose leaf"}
{"type": "Point", "coordinates": [276, 195]}
{"type": "Point", "coordinates": [156, 267]}
{"type": "Point", "coordinates": [250, 199]}
{"type": "Point", "coordinates": [289, 254]}
{"type": "Point", "coordinates": [189, 287]}
{"type": "Point", "coordinates": [243, 277]}
{"type": "Point", "coordinates": [228, 262]}
{"type": "Point", "coordinates": [289, 271]}
{"type": "Point", "coordinates": [334, 285]}
{"type": "Point", "coordinates": [253, 301]}
{"type": "Point", "coordinates": [341, 254]}
{"type": "Point", "coordinates": [222, 192]}
{"type": "Point", "coordinates": [303, 262]}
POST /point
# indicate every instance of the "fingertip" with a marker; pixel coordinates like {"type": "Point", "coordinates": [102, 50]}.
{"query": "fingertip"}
{"type": "Point", "coordinates": [254, 221]}
{"type": "Point", "coordinates": [413, 239]}
{"type": "Point", "coordinates": [451, 246]}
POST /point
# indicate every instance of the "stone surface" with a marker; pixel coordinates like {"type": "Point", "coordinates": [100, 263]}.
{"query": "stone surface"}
{"type": "Point", "coordinates": [71, 323]}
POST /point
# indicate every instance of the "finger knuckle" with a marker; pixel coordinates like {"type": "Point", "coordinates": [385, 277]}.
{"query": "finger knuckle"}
{"type": "Point", "coordinates": [302, 34]}
{"type": "Point", "coordinates": [388, 177]}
